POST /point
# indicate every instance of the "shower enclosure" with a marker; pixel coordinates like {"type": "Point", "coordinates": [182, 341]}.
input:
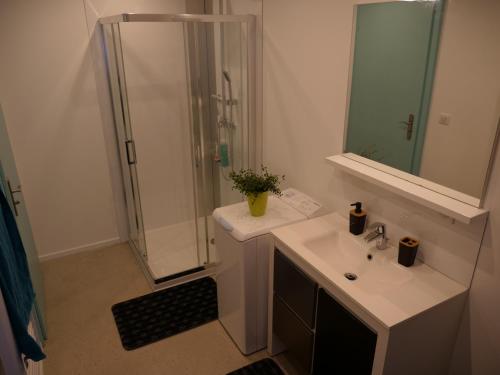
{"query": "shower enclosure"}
{"type": "Point", "coordinates": [183, 94]}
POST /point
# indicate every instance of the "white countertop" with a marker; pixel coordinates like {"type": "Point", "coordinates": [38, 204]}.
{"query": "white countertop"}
{"type": "Point", "coordinates": [418, 288]}
{"type": "Point", "coordinates": [238, 221]}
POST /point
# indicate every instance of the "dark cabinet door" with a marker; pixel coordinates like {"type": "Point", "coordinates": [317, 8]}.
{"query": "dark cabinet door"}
{"type": "Point", "coordinates": [296, 289]}
{"type": "Point", "coordinates": [294, 334]}
{"type": "Point", "coordinates": [343, 344]}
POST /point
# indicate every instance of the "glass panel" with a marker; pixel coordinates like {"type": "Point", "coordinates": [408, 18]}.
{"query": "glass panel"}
{"type": "Point", "coordinates": [123, 130]}
{"type": "Point", "coordinates": [217, 56]}
{"type": "Point", "coordinates": [232, 111]}
{"type": "Point", "coordinates": [197, 77]}
{"type": "Point", "coordinates": [155, 70]}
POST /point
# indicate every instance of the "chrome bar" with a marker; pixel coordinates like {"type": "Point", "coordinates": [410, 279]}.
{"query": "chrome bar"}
{"type": "Point", "coordinates": [111, 19]}
{"type": "Point", "coordinates": [158, 17]}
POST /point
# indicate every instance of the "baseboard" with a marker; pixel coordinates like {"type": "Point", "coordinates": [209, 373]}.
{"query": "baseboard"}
{"type": "Point", "coordinates": [79, 249]}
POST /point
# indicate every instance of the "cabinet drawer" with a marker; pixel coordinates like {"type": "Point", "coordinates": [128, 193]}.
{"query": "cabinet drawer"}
{"type": "Point", "coordinates": [295, 288]}
{"type": "Point", "coordinates": [294, 334]}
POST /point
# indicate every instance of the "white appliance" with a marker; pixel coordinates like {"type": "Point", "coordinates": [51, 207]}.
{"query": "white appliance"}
{"type": "Point", "coordinates": [244, 244]}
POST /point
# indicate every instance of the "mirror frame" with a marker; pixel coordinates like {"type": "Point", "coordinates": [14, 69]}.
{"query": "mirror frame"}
{"type": "Point", "coordinates": [477, 202]}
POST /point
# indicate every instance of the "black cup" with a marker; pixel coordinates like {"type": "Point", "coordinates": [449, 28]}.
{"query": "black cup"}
{"type": "Point", "coordinates": [407, 251]}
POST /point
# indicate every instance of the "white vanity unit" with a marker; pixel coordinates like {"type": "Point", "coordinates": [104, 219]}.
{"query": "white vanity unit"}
{"type": "Point", "coordinates": [243, 244]}
{"type": "Point", "coordinates": [389, 320]}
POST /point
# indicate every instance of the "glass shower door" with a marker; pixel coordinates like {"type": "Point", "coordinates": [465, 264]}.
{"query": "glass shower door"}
{"type": "Point", "coordinates": [126, 145]}
{"type": "Point", "coordinates": [181, 109]}
{"type": "Point", "coordinates": [158, 144]}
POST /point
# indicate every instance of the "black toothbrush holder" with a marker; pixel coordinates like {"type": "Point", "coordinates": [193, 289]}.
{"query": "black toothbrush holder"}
{"type": "Point", "coordinates": [407, 251]}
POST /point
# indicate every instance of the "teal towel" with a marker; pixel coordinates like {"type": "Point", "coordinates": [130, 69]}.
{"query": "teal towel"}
{"type": "Point", "coordinates": [15, 282]}
{"type": "Point", "coordinates": [224, 155]}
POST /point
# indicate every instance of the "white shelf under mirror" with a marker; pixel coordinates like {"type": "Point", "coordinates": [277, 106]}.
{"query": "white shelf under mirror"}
{"type": "Point", "coordinates": [454, 208]}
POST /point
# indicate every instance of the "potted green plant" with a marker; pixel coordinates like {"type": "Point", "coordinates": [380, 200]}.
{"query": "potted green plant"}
{"type": "Point", "coordinates": [256, 187]}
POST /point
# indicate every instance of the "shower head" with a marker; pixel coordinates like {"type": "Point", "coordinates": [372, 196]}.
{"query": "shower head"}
{"type": "Point", "coordinates": [226, 76]}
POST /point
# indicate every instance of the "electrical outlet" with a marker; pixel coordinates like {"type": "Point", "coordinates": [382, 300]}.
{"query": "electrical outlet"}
{"type": "Point", "coordinates": [444, 119]}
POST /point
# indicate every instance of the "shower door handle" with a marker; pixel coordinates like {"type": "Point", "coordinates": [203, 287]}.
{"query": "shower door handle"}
{"type": "Point", "coordinates": [130, 148]}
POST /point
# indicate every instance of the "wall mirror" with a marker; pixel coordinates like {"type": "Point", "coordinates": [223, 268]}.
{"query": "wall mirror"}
{"type": "Point", "coordinates": [424, 97]}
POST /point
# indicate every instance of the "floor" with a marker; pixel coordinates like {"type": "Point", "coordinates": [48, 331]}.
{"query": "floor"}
{"type": "Point", "coordinates": [80, 290]}
{"type": "Point", "coordinates": [172, 249]}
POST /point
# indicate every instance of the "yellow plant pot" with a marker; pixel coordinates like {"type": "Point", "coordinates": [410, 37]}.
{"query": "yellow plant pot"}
{"type": "Point", "coordinates": [257, 203]}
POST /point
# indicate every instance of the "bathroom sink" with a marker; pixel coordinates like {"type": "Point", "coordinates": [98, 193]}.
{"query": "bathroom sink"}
{"type": "Point", "coordinates": [371, 278]}
{"type": "Point", "coordinates": [361, 263]}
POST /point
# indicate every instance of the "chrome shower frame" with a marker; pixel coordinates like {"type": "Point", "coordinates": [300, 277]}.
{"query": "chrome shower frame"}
{"type": "Point", "coordinates": [204, 195]}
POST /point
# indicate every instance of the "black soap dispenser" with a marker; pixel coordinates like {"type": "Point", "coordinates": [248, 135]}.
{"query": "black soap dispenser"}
{"type": "Point", "coordinates": [357, 219]}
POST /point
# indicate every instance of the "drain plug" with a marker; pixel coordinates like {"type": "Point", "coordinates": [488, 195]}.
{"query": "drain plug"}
{"type": "Point", "coordinates": [350, 276]}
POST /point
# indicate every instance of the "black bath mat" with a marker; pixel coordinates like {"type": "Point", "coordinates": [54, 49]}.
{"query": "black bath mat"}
{"type": "Point", "coordinates": [263, 367]}
{"type": "Point", "coordinates": [158, 315]}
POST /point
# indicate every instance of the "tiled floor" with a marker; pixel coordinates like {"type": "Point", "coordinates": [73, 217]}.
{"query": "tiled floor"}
{"type": "Point", "coordinates": [172, 249]}
{"type": "Point", "coordinates": [80, 290]}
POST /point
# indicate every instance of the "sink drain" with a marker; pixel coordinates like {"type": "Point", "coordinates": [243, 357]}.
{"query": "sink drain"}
{"type": "Point", "coordinates": [350, 276]}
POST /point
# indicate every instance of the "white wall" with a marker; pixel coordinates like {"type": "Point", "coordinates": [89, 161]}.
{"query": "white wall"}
{"type": "Point", "coordinates": [468, 59]}
{"type": "Point", "coordinates": [47, 90]}
{"type": "Point", "coordinates": [306, 63]}
{"type": "Point", "coordinates": [478, 346]}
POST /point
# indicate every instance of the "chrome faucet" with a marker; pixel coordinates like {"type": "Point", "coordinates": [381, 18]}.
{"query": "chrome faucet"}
{"type": "Point", "coordinates": [378, 234]}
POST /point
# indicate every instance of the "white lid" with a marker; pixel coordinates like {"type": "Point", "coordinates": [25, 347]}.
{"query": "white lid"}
{"type": "Point", "coordinates": [301, 202]}
{"type": "Point", "coordinates": [237, 220]}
